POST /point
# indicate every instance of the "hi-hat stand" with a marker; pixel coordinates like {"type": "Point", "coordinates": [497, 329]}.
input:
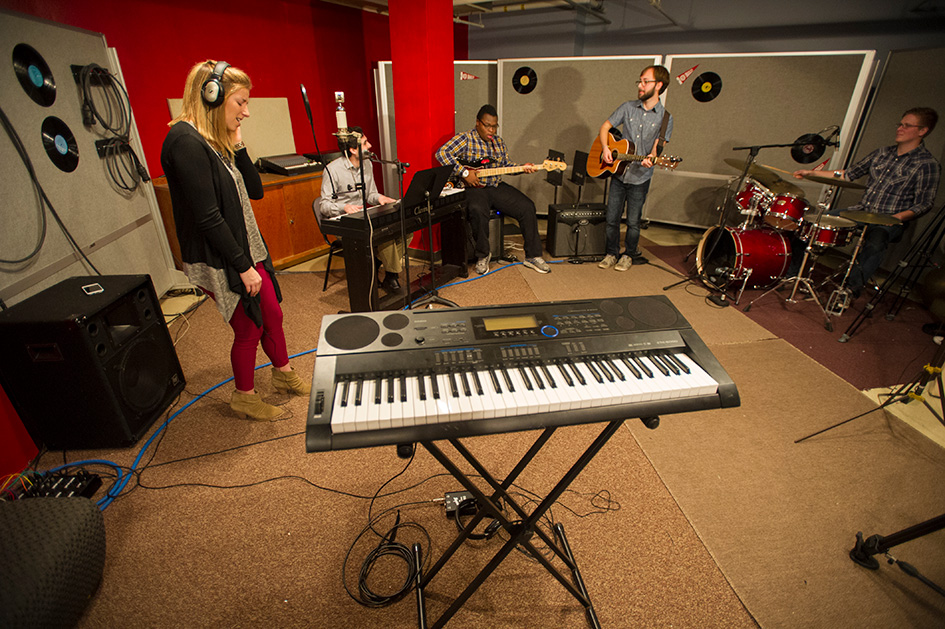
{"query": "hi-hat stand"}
{"type": "Point", "coordinates": [916, 260]}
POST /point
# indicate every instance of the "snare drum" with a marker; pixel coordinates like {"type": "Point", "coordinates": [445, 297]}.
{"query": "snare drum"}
{"type": "Point", "coordinates": [786, 212]}
{"type": "Point", "coordinates": [830, 231]}
{"type": "Point", "coordinates": [760, 255]}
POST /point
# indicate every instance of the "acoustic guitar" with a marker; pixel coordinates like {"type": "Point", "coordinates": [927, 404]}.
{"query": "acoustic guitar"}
{"type": "Point", "coordinates": [622, 152]}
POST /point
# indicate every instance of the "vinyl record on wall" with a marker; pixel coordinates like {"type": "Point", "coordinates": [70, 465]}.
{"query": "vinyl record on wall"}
{"type": "Point", "coordinates": [808, 148]}
{"type": "Point", "coordinates": [34, 75]}
{"type": "Point", "coordinates": [524, 80]}
{"type": "Point", "coordinates": [706, 86]}
{"type": "Point", "coordinates": [60, 144]}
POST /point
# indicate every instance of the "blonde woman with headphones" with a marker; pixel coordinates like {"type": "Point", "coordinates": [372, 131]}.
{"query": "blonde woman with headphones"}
{"type": "Point", "coordinates": [211, 179]}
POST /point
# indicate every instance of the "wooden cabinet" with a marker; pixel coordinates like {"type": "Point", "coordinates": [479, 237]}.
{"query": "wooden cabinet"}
{"type": "Point", "coordinates": [284, 216]}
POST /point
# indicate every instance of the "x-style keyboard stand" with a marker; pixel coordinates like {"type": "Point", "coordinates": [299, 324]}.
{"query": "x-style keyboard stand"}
{"type": "Point", "coordinates": [521, 528]}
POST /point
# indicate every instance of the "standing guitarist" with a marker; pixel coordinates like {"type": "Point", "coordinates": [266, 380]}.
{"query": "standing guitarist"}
{"type": "Point", "coordinates": [642, 121]}
{"type": "Point", "coordinates": [483, 145]}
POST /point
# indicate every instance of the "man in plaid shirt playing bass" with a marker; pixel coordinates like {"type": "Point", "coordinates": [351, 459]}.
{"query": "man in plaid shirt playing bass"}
{"type": "Point", "coordinates": [903, 181]}
{"type": "Point", "coordinates": [488, 193]}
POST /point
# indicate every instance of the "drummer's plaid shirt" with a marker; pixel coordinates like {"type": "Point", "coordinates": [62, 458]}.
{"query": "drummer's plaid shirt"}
{"type": "Point", "coordinates": [897, 182]}
{"type": "Point", "coordinates": [470, 148]}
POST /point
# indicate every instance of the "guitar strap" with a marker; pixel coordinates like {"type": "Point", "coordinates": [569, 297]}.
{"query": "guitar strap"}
{"type": "Point", "coordinates": [662, 138]}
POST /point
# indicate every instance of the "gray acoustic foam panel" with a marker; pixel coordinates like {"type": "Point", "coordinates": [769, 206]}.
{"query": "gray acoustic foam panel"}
{"type": "Point", "coordinates": [764, 99]}
{"type": "Point", "coordinates": [571, 99]}
{"type": "Point", "coordinates": [117, 230]}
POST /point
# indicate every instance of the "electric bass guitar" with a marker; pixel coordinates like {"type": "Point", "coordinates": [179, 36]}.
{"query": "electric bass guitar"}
{"type": "Point", "coordinates": [483, 170]}
{"type": "Point", "coordinates": [622, 153]}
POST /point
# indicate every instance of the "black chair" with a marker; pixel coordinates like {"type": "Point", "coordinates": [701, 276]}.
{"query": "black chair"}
{"type": "Point", "coordinates": [334, 246]}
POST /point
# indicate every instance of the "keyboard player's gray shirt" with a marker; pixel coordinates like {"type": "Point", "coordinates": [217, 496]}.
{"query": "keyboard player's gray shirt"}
{"type": "Point", "coordinates": [345, 177]}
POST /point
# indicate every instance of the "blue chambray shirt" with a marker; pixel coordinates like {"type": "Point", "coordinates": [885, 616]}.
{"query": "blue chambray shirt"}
{"type": "Point", "coordinates": [641, 127]}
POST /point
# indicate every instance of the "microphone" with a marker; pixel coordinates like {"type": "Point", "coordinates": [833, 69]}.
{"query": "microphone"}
{"type": "Point", "coordinates": [834, 133]}
{"type": "Point", "coordinates": [374, 158]}
{"type": "Point", "coordinates": [311, 123]}
{"type": "Point", "coordinates": [318, 153]}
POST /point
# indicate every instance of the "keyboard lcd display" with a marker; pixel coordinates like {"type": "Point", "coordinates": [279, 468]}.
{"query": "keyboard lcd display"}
{"type": "Point", "coordinates": [517, 322]}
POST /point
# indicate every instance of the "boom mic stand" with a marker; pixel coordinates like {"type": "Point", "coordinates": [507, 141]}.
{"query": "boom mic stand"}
{"type": "Point", "coordinates": [862, 553]}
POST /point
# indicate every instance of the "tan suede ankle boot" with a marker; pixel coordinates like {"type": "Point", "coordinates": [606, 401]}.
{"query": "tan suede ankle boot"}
{"type": "Point", "coordinates": [251, 405]}
{"type": "Point", "coordinates": [289, 382]}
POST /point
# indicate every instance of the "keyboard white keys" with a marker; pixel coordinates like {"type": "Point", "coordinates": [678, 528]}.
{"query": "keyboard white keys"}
{"type": "Point", "coordinates": [397, 401]}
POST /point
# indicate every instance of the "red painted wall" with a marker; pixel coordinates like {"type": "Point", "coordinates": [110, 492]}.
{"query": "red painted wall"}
{"type": "Point", "coordinates": [279, 43]}
{"type": "Point", "coordinates": [16, 447]}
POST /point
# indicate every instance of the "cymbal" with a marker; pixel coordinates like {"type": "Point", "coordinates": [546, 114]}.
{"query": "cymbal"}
{"type": "Point", "coordinates": [862, 216]}
{"type": "Point", "coordinates": [770, 180]}
{"type": "Point", "coordinates": [828, 220]}
{"type": "Point", "coordinates": [834, 181]}
{"type": "Point", "coordinates": [785, 187]}
{"type": "Point", "coordinates": [762, 175]}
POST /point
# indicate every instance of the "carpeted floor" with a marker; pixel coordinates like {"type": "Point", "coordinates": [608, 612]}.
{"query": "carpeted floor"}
{"type": "Point", "coordinates": [715, 519]}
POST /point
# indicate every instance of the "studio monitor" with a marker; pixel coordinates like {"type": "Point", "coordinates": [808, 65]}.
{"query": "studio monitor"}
{"type": "Point", "coordinates": [576, 229]}
{"type": "Point", "coordinates": [89, 363]}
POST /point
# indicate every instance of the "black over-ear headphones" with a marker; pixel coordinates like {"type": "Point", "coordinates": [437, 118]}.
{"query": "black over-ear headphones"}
{"type": "Point", "coordinates": [212, 91]}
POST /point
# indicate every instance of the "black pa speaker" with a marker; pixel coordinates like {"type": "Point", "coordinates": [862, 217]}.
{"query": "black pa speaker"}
{"type": "Point", "coordinates": [576, 229]}
{"type": "Point", "coordinates": [89, 363]}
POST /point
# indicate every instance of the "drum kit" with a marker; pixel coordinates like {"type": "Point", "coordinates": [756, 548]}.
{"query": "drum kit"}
{"type": "Point", "coordinates": [757, 253]}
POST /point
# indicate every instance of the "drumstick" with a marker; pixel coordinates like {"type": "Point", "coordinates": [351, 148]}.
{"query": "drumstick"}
{"type": "Point", "coordinates": [780, 170]}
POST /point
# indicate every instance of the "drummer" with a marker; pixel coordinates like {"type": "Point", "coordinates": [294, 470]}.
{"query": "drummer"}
{"type": "Point", "coordinates": [903, 180]}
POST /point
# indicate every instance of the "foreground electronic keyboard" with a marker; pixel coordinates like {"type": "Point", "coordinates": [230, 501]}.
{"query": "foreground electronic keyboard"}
{"type": "Point", "coordinates": [421, 375]}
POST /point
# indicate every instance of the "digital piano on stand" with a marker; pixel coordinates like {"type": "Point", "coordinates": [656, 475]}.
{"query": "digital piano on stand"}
{"type": "Point", "coordinates": [398, 377]}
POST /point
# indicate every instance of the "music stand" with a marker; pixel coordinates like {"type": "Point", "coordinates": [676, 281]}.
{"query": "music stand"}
{"type": "Point", "coordinates": [555, 177]}
{"type": "Point", "coordinates": [579, 172]}
{"type": "Point", "coordinates": [425, 186]}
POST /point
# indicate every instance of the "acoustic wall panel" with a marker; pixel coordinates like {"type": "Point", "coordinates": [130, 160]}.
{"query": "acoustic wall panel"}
{"type": "Point", "coordinates": [758, 100]}
{"type": "Point", "coordinates": [117, 230]}
{"type": "Point", "coordinates": [561, 106]}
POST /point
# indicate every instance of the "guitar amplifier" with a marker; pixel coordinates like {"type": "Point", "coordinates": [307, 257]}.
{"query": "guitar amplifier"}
{"type": "Point", "coordinates": [576, 229]}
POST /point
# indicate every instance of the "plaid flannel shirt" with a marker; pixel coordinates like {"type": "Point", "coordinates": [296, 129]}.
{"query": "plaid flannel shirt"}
{"type": "Point", "coordinates": [469, 148]}
{"type": "Point", "coordinates": [897, 182]}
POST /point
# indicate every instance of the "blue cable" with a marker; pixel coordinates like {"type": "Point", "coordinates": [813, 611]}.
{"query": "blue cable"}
{"type": "Point", "coordinates": [122, 480]}
{"type": "Point", "coordinates": [479, 277]}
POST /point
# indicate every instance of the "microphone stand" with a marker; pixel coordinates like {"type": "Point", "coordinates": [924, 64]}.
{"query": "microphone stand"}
{"type": "Point", "coordinates": [432, 297]}
{"type": "Point", "coordinates": [372, 294]}
{"type": "Point", "coordinates": [401, 170]}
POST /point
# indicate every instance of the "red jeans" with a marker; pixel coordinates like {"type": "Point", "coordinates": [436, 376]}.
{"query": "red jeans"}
{"type": "Point", "coordinates": [247, 336]}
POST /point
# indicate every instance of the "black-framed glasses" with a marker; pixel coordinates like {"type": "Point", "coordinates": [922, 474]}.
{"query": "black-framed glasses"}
{"type": "Point", "coordinates": [646, 81]}
{"type": "Point", "coordinates": [494, 127]}
{"type": "Point", "coordinates": [906, 125]}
